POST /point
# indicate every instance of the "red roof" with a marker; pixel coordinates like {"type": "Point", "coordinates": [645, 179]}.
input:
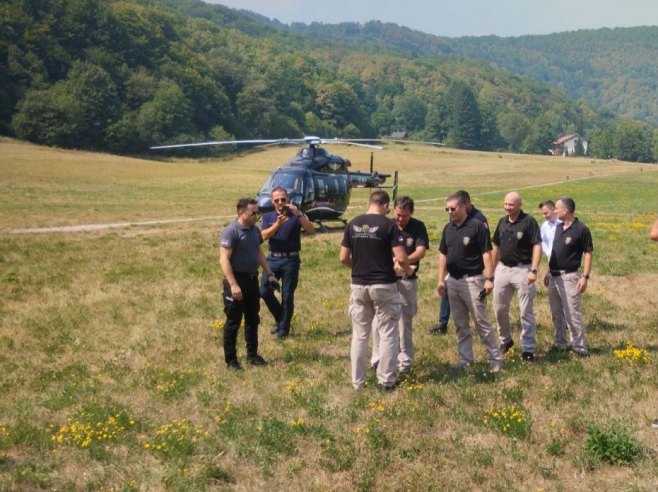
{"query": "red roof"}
{"type": "Point", "coordinates": [561, 140]}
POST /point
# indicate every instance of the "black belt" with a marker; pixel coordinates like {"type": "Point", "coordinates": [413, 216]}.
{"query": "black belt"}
{"type": "Point", "coordinates": [466, 275]}
{"type": "Point", "coordinates": [557, 273]}
{"type": "Point", "coordinates": [512, 265]}
{"type": "Point", "coordinates": [284, 255]}
{"type": "Point", "coordinates": [249, 275]}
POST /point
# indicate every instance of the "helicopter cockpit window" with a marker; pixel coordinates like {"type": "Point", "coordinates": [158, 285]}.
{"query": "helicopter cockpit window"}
{"type": "Point", "coordinates": [293, 183]}
{"type": "Point", "coordinates": [306, 153]}
{"type": "Point", "coordinates": [308, 184]}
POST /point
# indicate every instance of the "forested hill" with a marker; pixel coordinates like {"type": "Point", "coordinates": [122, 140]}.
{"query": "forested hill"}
{"type": "Point", "coordinates": [126, 74]}
{"type": "Point", "coordinates": [615, 69]}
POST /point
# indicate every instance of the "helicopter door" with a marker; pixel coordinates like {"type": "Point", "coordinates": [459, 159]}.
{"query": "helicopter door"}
{"type": "Point", "coordinates": [320, 188]}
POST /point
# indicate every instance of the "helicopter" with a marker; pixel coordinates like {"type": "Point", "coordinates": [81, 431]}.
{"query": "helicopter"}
{"type": "Point", "coordinates": [318, 182]}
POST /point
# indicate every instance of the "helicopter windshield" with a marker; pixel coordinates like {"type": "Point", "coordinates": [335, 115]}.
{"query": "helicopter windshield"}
{"type": "Point", "coordinates": [293, 183]}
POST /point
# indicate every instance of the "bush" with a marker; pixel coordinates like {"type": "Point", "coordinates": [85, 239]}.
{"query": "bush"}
{"type": "Point", "coordinates": [613, 445]}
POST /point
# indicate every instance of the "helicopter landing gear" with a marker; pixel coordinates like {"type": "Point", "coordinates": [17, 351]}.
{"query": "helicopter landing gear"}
{"type": "Point", "coordinates": [323, 228]}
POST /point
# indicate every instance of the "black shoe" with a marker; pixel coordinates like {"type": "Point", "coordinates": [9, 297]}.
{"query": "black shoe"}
{"type": "Point", "coordinates": [504, 347]}
{"type": "Point", "coordinates": [440, 329]}
{"type": "Point", "coordinates": [234, 365]}
{"type": "Point", "coordinates": [528, 356]}
{"type": "Point", "coordinates": [386, 387]}
{"type": "Point", "coordinates": [282, 335]}
{"type": "Point", "coordinates": [256, 360]}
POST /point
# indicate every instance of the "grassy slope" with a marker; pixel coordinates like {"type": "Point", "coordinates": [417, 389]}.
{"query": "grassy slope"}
{"type": "Point", "coordinates": [125, 322]}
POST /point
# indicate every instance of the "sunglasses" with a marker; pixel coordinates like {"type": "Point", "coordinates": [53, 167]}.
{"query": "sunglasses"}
{"type": "Point", "coordinates": [280, 200]}
{"type": "Point", "coordinates": [251, 214]}
{"type": "Point", "coordinates": [451, 209]}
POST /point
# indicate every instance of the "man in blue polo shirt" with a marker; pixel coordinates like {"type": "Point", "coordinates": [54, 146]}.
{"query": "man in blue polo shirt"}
{"type": "Point", "coordinates": [282, 228]}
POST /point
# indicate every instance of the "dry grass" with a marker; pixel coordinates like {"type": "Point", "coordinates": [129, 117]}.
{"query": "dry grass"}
{"type": "Point", "coordinates": [128, 320]}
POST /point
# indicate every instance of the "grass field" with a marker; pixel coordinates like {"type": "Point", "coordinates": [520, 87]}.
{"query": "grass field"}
{"type": "Point", "coordinates": [113, 376]}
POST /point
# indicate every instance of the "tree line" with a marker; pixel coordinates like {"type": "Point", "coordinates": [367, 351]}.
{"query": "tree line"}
{"type": "Point", "coordinates": [122, 75]}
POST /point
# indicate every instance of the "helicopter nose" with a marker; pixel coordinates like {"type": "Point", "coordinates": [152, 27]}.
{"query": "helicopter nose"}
{"type": "Point", "coordinates": [265, 204]}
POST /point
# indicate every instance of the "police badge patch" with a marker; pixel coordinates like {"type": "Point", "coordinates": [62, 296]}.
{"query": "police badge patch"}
{"type": "Point", "coordinates": [519, 235]}
{"type": "Point", "coordinates": [466, 241]}
{"type": "Point", "coordinates": [567, 240]}
{"type": "Point", "coordinates": [410, 242]}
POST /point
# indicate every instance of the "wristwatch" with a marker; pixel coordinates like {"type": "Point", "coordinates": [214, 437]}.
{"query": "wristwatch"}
{"type": "Point", "coordinates": [491, 279]}
{"type": "Point", "coordinates": [534, 270]}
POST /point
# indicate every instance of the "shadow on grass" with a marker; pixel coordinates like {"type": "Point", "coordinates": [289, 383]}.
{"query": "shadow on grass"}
{"type": "Point", "coordinates": [602, 325]}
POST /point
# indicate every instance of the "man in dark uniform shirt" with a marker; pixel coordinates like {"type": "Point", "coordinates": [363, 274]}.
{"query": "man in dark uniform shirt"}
{"type": "Point", "coordinates": [239, 257]}
{"type": "Point", "coordinates": [370, 244]}
{"type": "Point", "coordinates": [516, 257]}
{"type": "Point", "coordinates": [416, 243]}
{"type": "Point", "coordinates": [282, 228]}
{"type": "Point", "coordinates": [566, 284]}
{"type": "Point", "coordinates": [444, 307]}
{"type": "Point", "coordinates": [465, 253]}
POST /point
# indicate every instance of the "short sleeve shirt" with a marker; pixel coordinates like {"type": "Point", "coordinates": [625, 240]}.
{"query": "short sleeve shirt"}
{"type": "Point", "coordinates": [464, 246]}
{"type": "Point", "coordinates": [287, 238]}
{"type": "Point", "coordinates": [415, 235]}
{"type": "Point", "coordinates": [371, 237]}
{"type": "Point", "coordinates": [515, 240]}
{"type": "Point", "coordinates": [569, 246]}
{"type": "Point", "coordinates": [245, 243]}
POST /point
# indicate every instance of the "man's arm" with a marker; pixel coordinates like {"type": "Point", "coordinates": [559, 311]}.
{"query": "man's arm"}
{"type": "Point", "coordinates": [494, 257]}
{"type": "Point", "coordinates": [307, 225]}
{"type": "Point", "coordinates": [227, 270]}
{"type": "Point", "coordinates": [653, 235]}
{"type": "Point", "coordinates": [488, 271]}
{"type": "Point", "coordinates": [441, 285]}
{"type": "Point", "coordinates": [266, 234]}
{"type": "Point", "coordinates": [262, 261]}
{"type": "Point", "coordinates": [345, 256]}
{"type": "Point", "coordinates": [587, 268]}
{"type": "Point", "coordinates": [536, 260]}
{"type": "Point", "coordinates": [402, 259]}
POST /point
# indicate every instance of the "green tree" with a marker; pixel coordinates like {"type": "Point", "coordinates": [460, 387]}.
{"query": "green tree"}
{"type": "Point", "coordinates": [410, 112]}
{"type": "Point", "coordinates": [465, 129]}
{"type": "Point", "coordinates": [601, 144]}
{"type": "Point", "coordinates": [514, 129]}
{"type": "Point", "coordinates": [632, 143]}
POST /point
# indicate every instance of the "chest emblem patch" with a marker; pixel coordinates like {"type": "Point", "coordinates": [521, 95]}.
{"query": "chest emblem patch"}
{"type": "Point", "coordinates": [519, 235]}
{"type": "Point", "coordinates": [567, 240]}
{"type": "Point", "coordinates": [466, 241]}
{"type": "Point", "coordinates": [410, 242]}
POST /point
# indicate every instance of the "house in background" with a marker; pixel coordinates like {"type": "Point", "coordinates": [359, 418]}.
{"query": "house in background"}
{"type": "Point", "coordinates": [566, 145]}
{"type": "Point", "coordinates": [400, 134]}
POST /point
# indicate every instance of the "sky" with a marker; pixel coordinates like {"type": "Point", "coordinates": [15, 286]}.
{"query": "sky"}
{"type": "Point", "coordinates": [455, 18]}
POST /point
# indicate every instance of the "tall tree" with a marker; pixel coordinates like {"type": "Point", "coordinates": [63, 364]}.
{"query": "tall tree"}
{"type": "Point", "coordinates": [465, 129]}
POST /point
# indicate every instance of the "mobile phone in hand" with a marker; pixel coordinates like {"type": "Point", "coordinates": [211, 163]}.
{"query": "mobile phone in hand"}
{"type": "Point", "coordinates": [482, 295]}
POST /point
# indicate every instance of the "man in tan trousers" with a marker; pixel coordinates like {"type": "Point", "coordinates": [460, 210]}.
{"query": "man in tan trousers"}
{"type": "Point", "coordinates": [516, 256]}
{"type": "Point", "coordinates": [465, 253]}
{"type": "Point", "coordinates": [566, 284]}
{"type": "Point", "coordinates": [370, 245]}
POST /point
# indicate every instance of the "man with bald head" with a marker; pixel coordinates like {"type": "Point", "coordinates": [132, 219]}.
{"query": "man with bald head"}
{"type": "Point", "coordinates": [516, 256]}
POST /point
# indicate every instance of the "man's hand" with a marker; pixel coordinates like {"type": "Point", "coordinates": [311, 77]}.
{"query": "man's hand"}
{"type": "Point", "coordinates": [294, 210]}
{"type": "Point", "coordinates": [581, 286]}
{"type": "Point", "coordinates": [280, 219]}
{"type": "Point", "coordinates": [236, 292]}
{"type": "Point", "coordinates": [532, 278]}
{"type": "Point", "coordinates": [442, 289]}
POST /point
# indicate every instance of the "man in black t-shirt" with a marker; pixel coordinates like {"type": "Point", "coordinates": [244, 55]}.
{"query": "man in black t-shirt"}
{"type": "Point", "coordinates": [465, 253]}
{"type": "Point", "coordinates": [566, 285]}
{"type": "Point", "coordinates": [416, 243]}
{"type": "Point", "coordinates": [516, 256]}
{"type": "Point", "coordinates": [370, 244]}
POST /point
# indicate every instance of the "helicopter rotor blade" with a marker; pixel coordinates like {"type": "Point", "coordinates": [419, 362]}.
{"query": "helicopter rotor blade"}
{"type": "Point", "coordinates": [279, 141]}
{"type": "Point", "coordinates": [351, 141]}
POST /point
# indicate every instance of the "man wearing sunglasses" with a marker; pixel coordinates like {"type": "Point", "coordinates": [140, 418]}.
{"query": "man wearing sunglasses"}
{"type": "Point", "coordinates": [282, 228]}
{"type": "Point", "coordinates": [465, 253]}
{"type": "Point", "coordinates": [239, 256]}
